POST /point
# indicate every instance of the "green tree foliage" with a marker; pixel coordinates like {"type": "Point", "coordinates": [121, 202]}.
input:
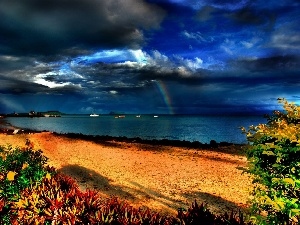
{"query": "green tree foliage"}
{"type": "Point", "coordinates": [274, 162]}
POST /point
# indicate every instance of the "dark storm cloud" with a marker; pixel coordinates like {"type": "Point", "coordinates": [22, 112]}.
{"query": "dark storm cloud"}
{"type": "Point", "coordinates": [243, 16]}
{"type": "Point", "coordinates": [227, 4]}
{"type": "Point", "coordinates": [274, 70]}
{"type": "Point", "coordinates": [196, 4]}
{"type": "Point", "coordinates": [19, 87]}
{"type": "Point", "coordinates": [50, 26]}
{"type": "Point", "coordinates": [253, 17]}
{"type": "Point", "coordinates": [9, 63]}
{"type": "Point", "coordinates": [206, 13]}
{"type": "Point", "coordinates": [23, 75]}
{"type": "Point", "coordinates": [155, 65]}
{"type": "Point", "coordinates": [270, 64]}
{"type": "Point", "coordinates": [286, 38]}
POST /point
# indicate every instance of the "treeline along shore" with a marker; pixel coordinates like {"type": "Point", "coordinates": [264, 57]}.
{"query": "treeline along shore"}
{"type": "Point", "coordinates": [32, 114]}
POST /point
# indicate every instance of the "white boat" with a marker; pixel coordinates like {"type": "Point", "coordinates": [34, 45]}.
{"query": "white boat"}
{"type": "Point", "coordinates": [120, 116]}
{"type": "Point", "coordinates": [155, 116]}
{"type": "Point", "coordinates": [138, 116]}
{"type": "Point", "coordinates": [94, 115]}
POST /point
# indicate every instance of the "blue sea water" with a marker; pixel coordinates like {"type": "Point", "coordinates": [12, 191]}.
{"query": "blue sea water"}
{"type": "Point", "coordinates": [172, 127]}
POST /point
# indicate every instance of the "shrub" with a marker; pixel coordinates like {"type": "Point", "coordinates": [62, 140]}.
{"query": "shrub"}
{"type": "Point", "coordinates": [58, 200]}
{"type": "Point", "coordinates": [19, 169]}
{"type": "Point", "coordinates": [199, 214]}
{"type": "Point", "coordinates": [274, 161]}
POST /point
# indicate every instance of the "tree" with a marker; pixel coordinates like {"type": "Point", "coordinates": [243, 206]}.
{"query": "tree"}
{"type": "Point", "coordinates": [274, 162]}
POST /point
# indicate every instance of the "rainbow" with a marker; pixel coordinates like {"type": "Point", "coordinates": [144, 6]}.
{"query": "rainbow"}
{"type": "Point", "coordinates": [165, 95]}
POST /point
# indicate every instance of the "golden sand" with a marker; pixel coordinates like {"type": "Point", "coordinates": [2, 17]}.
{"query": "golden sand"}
{"type": "Point", "coordinates": [162, 178]}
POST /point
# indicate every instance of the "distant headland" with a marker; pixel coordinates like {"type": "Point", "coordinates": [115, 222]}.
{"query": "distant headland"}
{"type": "Point", "coordinates": [52, 113]}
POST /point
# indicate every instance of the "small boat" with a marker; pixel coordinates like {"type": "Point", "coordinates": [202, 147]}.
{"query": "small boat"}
{"type": "Point", "coordinates": [138, 116]}
{"type": "Point", "coordinates": [120, 116]}
{"type": "Point", "coordinates": [155, 116]}
{"type": "Point", "coordinates": [94, 115]}
{"type": "Point", "coordinates": [51, 115]}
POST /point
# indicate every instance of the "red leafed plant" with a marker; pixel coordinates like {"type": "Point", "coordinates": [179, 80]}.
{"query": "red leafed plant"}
{"type": "Point", "coordinates": [199, 214]}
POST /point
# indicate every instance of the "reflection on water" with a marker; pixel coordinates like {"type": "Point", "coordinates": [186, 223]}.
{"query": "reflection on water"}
{"type": "Point", "coordinates": [189, 128]}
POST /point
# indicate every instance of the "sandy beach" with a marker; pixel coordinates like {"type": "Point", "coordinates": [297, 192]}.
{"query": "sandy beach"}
{"type": "Point", "coordinates": [163, 178]}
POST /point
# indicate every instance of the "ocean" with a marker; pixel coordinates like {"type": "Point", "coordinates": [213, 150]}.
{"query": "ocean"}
{"type": "Point", "coordinates": [172, 127]}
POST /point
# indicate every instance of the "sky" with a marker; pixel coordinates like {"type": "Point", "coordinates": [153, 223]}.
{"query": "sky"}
{"type": "Point", "coordinates": [231, 57]}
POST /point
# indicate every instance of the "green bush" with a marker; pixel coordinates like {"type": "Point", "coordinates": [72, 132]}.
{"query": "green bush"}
{"type": "Point", "coordinates": [19, 169]}
{"type": "Point", "coordinates": [274, 162]}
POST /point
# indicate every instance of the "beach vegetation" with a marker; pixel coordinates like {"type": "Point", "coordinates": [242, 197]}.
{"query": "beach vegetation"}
{"type": "Point", "coordinates": [274, 162]}
{"type": "Point", "coordinates": [33, 193]}
{"type": "Point", "coordinates": [19, 169]}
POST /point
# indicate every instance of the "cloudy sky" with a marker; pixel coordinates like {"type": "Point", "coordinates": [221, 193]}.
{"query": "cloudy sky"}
{"type": "Point", "coordinates": [149, 56]}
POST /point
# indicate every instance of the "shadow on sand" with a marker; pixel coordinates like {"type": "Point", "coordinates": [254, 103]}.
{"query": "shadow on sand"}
{"type": "Point", "coordinates": [87, 178]}
{"type": "Point", "coordinates": [140, 194]}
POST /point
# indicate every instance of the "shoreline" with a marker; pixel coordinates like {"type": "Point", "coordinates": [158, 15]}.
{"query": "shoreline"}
{"type": "Point", "coordinates": [225, 147]}
{"type": "Point", "coordinates": [7, 128]}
